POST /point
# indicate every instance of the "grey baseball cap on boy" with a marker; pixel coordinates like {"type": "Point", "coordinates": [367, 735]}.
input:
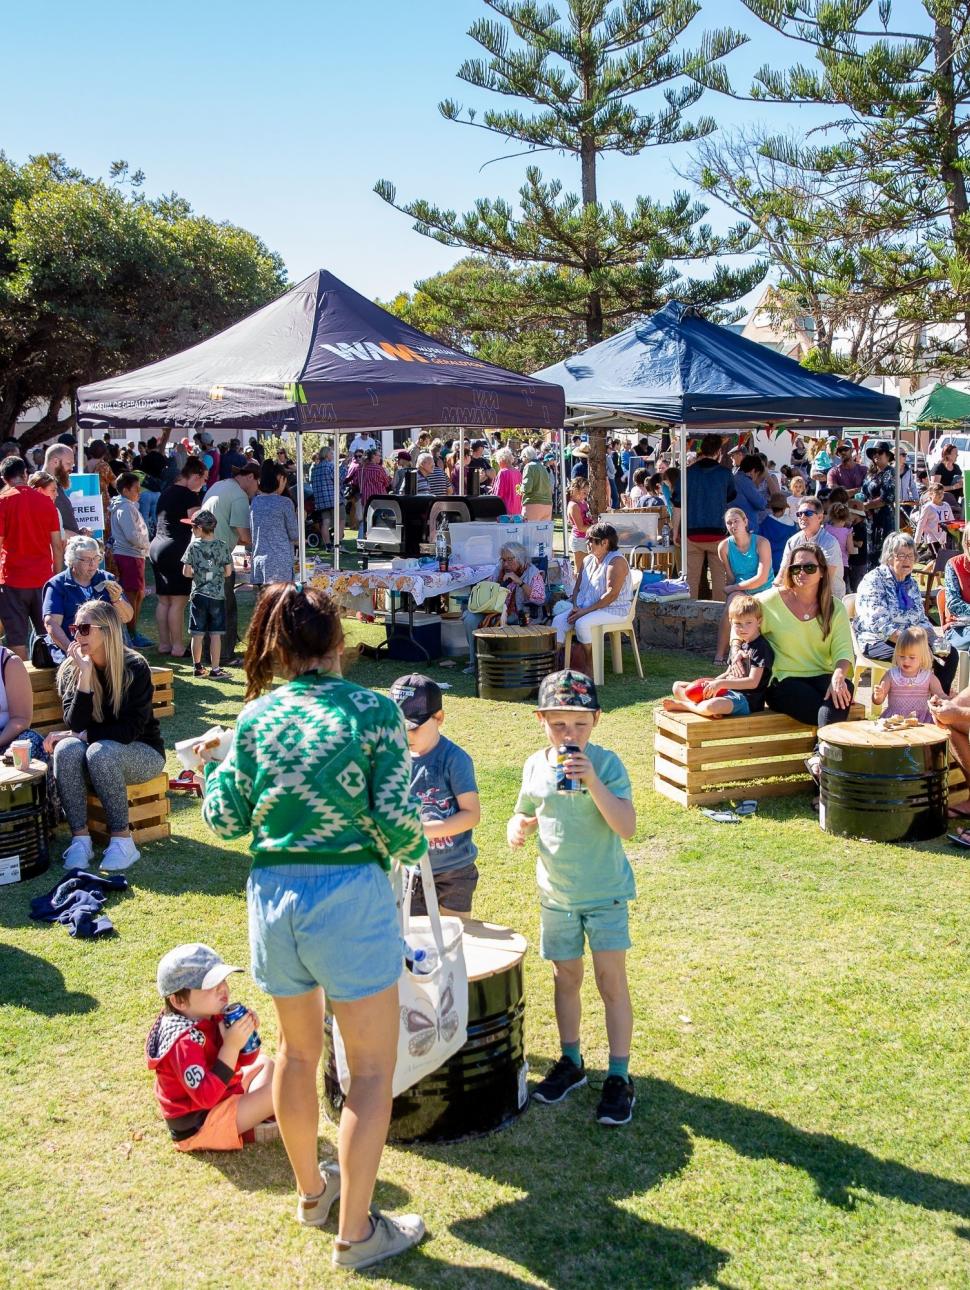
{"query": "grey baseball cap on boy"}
{"type": "Point", "coordinates": [191, 967]}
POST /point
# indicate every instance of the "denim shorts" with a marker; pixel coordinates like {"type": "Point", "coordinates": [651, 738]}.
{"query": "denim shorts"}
{"type": "Point", "coordinates": [739, 703]}
{"type": "Point", "coordinates": [329, 925]}
{"type": "Point", "coordinates": [562, 933]}
{"type": "Point", "coordinates": [207, 616]}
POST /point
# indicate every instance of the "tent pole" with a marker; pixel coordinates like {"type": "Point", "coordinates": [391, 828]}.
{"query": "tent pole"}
{"type": "Point", "coordinates": [683, 499]}
{"type": "Point", "coordinates": [461, 461]}
{"type": "Point", "coordinates": [563, 495]}
{"type": "Point", "coordinates": [300, 507]}
{"type": "Point", "coordinates": [335, 535]}
{"type": "Point", "coordinates": [896, 464]}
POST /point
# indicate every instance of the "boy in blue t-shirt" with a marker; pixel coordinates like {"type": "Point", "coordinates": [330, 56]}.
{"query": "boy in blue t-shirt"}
{"type": "Point", "coordinates": [585, 883]}
{"type": "Point", "coordinates": [443, 782]}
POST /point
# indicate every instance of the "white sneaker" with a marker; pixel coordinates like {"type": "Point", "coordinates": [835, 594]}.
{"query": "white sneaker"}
{"type": "Point", "coordinates": [313, 1211]}
{"type": "Point", "coordinates": [390, 1235]}
{"type": "Point", "coordinates": [119, 854]}
{"type": "Point", "coordinates": [80, 853]}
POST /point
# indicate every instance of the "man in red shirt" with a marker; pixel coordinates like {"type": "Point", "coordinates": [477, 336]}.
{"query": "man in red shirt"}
{"type": "Point", "coordinates": [31, 551]}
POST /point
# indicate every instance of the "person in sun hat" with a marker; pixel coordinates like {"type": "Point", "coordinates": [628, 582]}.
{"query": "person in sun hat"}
{"type": "Point", "coordinates": [879, 497]}
{"type": "Point", "coordinates": [443, 783]}
{"type": "Point", "coordinates": [585, 881]}
{"type": "Point", "coordinates": [211, 1094]}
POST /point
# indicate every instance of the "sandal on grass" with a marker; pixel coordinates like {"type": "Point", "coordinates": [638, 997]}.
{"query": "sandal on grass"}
{"type": "Point", "coordinates": [961, 838]}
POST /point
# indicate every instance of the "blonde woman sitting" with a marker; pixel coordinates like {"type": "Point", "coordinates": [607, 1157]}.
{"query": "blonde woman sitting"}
{"type": "Point", "coordinates": [113, 738]}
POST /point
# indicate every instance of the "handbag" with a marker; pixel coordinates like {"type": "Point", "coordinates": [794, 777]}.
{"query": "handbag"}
{"type": "Point", "coordinates": [433, 1009]}
{"type": "Point", "coordinates": [488, 598]}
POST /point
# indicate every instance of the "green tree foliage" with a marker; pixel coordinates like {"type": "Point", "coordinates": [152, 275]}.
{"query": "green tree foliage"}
{"type": "Point", "coordinates": [95, 279]}
{"type": "Point", "coordinates": [582, 69]}
{"type": "Point", "coordinates": [873, 206]}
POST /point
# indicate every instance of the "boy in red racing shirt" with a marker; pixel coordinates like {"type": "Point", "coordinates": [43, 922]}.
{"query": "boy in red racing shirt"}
{"type": "Point", "coordinates": [211, 1094]}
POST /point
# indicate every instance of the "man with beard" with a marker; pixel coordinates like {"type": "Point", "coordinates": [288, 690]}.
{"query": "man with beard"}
{"type": "Point", "coordinates": [59, 462]}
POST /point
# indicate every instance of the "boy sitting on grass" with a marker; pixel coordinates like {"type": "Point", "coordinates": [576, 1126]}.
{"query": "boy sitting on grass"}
{"type": "Point", "coordinates": [585, 883]}
{"type": "Point", "coordinates": [211, 1094]}
{"type": "Point", "coordinates": [443, 781]}
{"type": "Point", "coordinates": [741, 687]}
{"type": "Point", "coordinates": [208, 562]}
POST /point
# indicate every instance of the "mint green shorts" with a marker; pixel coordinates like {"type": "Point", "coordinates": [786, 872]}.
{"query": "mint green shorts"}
{"type": "Point", "coordinates": [563, 933]}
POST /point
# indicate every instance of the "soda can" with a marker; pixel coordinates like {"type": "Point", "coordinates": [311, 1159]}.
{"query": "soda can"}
{"type": "Point", "coordinates": [232, 1014]}
{"type": "Point", "coordinates": [565, 784]}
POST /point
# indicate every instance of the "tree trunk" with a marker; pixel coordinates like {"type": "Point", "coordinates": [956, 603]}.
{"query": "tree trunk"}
{"type": "Point", "coordinates": [951, 167]}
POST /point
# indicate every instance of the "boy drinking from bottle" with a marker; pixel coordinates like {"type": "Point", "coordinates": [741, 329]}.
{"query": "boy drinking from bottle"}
{"type": "Point", "coordinates": [576, 798]}
{"type": "Point", "coordinates": [213, 1095]}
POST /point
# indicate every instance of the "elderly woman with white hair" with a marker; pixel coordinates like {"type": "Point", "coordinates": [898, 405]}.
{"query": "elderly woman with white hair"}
{"type": "Point", "coordinates": [508, 481]}
{"type": "Point", "coordinates": [81, 580]}
{"type": "Point", "coordinates": [526, 590]}
{"type": "Point", "coordinates": [888, 600]}
{"type": "Point", "coordinates": [536, 487]}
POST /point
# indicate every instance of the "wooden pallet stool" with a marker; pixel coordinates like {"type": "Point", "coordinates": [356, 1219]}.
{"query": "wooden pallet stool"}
{"type": "Point", "coordinates": [148, 810]}
{"type": "Point", "coordinates": [49, 714]}
{"type": "Point", "coordinates": [699, 761]}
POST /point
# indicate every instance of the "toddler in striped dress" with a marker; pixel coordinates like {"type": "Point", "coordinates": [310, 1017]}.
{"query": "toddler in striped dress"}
{"type": "Point", "coordinates": [910, 681]}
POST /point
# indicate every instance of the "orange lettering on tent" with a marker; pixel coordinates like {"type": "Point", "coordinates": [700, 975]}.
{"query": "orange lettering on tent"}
{"type": "Point", "coordinates": [401, 351]}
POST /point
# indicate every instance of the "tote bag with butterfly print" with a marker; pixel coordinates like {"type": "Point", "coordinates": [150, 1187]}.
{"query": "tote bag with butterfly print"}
{"type": "Point", "coordinates": [434, 1005]}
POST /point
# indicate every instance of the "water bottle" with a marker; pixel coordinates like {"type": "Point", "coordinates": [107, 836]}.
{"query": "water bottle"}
{"type": "Point", "coordinates": [442, 545]}
{"type": "Point", "coordinates": [666, 535]}
{"type": "Point", "coordinates": [232, 1014]}
{"type": "Point", "coordinates": [541, 560]}
{"type": "Point", "coordinates": [419, 960]}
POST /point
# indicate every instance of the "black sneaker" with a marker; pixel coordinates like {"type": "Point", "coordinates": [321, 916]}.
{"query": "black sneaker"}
{"type": "Point", "coordinates": [617, 1101]}
{"type": "Point", "coordinates": [561, 1080]}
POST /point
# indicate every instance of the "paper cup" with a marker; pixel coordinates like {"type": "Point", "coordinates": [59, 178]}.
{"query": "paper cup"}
{"type": "Point", "coordinates": [20, 752]}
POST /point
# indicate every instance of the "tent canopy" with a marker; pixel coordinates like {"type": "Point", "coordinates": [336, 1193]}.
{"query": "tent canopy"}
{"type": "Point", "coordinates": [942, 404]}
{"type": "Point", "coordinates": [676, 368]}
{"type": "Point", "coordinates": [321, 357]}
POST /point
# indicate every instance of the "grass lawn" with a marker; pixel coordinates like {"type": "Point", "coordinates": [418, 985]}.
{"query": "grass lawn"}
{"type": "Point", "coordinates": [800, 1055]}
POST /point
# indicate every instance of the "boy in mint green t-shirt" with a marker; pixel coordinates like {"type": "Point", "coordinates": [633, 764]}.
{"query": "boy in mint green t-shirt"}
{"type": "Point", "coordinates": [585, 883]}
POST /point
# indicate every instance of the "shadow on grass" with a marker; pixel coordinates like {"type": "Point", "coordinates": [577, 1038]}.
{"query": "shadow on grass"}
{"type": "Point", "coordinates": [28, 981]}
{"type": "Point", "coordinates": [590, 1236]}
{"type": "Point", "coordinates": [186, 864]}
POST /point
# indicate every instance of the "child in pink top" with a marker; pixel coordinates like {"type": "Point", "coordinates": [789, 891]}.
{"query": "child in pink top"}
{"type": "Point", "coordinates": [908, 684]}
{"type": "Point", "coordinates": [838, 525]}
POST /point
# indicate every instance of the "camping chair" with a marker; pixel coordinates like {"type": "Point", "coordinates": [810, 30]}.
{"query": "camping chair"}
{"type": "Point", "coordinates": [861, 664]}
{"type": "Point", "coordinates": [963, 670]}
{"type": "Point", "coordinates": [616, 632]}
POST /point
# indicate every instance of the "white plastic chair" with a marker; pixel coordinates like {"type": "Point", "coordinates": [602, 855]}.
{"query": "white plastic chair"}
{"type": "Point", "coordinates": [877, 668]}
{"type": "Point", "coordinates": [616, 632]}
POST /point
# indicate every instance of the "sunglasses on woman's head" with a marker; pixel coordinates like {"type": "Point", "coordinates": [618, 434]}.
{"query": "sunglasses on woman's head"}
{"type": "Point", "coordinates": [803, 568]}
{"type": "Point", "coordinates": [81, 629]}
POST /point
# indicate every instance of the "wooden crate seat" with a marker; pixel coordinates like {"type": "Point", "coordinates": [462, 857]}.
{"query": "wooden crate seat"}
{"type": "Point", "coordinates": [699, 761]}
{"type": "Point", "coordinates": [49, 715]}
{"type": "Point", "coordinates": [148, 811]}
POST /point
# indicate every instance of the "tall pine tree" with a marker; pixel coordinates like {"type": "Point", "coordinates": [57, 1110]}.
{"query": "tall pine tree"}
{"type": "Point", "coordinates": [582, 68]}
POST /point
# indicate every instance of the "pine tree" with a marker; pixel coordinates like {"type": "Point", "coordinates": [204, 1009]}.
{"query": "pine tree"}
{"type": "Point", "coordinates": [582, 71]}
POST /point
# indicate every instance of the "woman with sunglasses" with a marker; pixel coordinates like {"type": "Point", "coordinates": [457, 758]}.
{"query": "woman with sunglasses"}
{"type": "Point", "coordinates": [809, 631]}
{"type": "Point", "coordinates": [113, 738]}
{"type": "Point", "coordinates": [603, 590]}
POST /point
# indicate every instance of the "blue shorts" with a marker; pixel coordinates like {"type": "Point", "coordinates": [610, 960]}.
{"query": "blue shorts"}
{"type": "Point", "coordinates": [326, 925]}
{"type": "Point", "coordinates": [207, 616]}
{"type": "Point", "coordinates": [739, 703]}
{"type": "Point", "coordinates": [563, 933]}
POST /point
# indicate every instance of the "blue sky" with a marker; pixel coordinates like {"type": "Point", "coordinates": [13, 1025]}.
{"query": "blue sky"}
{"type": "Point", "coordinates": [281, 116]}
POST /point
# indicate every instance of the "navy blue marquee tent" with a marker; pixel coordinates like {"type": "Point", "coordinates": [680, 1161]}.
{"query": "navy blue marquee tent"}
{"type": "Point", "coordinates": [321, 357]}
{"type": "Point", "coordinates": [675, 368]}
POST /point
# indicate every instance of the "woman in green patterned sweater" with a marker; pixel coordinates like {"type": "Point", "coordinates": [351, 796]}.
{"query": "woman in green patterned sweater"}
{"type": "Point", "coordinates": [319, 772]}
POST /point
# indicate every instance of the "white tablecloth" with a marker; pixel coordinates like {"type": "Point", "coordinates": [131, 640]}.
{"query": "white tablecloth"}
{"type": "Point", "coordinates": [419, 583]}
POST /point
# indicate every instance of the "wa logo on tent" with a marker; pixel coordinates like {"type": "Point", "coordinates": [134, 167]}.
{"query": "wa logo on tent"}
{"type": "Point", "coordinates": [294, 393]}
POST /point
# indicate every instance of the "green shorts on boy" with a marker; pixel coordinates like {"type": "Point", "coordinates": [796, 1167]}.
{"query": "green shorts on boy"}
{"type": "Point", "coordinates": [585, 882]}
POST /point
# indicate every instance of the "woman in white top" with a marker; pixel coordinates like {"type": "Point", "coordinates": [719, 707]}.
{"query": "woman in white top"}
{"type": "Point", "coordinates": [603, 590]}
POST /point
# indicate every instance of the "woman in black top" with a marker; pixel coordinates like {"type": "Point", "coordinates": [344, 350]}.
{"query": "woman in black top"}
{"type": "Point", "coordinates": [949, 474]}
{"type": "Point", "coordinates": [113, 737]}
{"type": "Point", "coordinates": [177, 503]}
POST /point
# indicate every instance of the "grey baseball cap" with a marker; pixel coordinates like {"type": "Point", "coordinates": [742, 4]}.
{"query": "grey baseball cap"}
{"type": "Point", "coordinates": [191, 967]}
